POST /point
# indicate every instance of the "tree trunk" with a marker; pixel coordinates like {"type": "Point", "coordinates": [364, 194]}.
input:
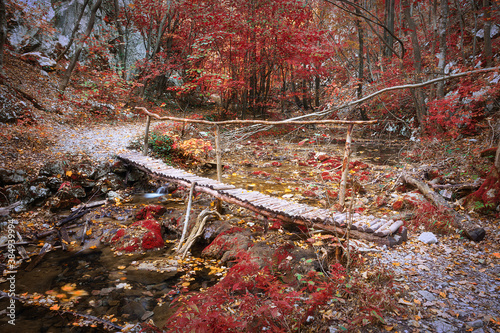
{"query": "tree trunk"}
{"type": "Point", "coordinates": [316, 90]}
{"type": "Point", "coordinates": [3, 30]}
{"type": "Point", "coordinates": [462, 28]}
{"type": "Point", "coordinates": [389, 23]}
{"type": "Point", "coordinates": [360, 56]}
{"type": "Point", "coordinates": [71, 66]}
{"type": "Point", "coordinates": [443, 27]}
{"type": "Point", "coordinates": [487, 33]}
{"type": "Point", "coordinates": [122, 51]}
{"type": "Point", "coordinates": [418, 94]}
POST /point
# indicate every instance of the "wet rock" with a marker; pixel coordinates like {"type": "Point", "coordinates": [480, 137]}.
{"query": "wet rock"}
{"type": "Point", "coordinates": [227, 244]}
{"type": "Point", "coordinates": [83, 170]}
{"type": "Point", "coordinates": [428, 238]}
{"type": "Point", "coordinates": [112, 195]}
{"type": "Point", "coordinates": [102, 169]}
{"type": "Point", "coordinates": [10, 177]}
{"type": "Point", "coordinates": [119, 168]}
{"type": "Point", "coordinates": [111, 182]}
{"type": "Point", "coordinates": [18, 192]}
{"type": "Point", "coordinates": [135, 175]}
{"type": "Point", "coordinates": [39, 192]}
{"type": "Point", "coordinates": [133, 310]}
{"type": "Point", "coordinates": [153, 272]}
{"type": "Point", "coordinates": [53, 168]}
{"type": "Point", "coordinates": [150, 212]}
{"type": "Point", "coordinates": [140, 236]}
{"type": "Point", "coordinates": [54, 183]}
{"type": "Point", "coordinates": [69, 190]}
{"type": "Point", "coordinates": [67, 196]}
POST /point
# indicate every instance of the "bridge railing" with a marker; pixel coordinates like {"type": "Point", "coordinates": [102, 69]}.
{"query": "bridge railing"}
{"type": "Point", "coordinates": [347, 150]}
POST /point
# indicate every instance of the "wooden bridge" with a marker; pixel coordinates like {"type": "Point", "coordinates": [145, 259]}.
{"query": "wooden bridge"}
{"type": "Point", "coordinates": [370, 228]}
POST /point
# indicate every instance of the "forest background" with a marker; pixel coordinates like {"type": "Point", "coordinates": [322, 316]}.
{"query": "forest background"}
{"type": "Point", "coordinates": [254, 56]}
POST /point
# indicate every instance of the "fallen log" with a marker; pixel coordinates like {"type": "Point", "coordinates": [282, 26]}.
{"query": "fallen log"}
{"type": "Point", "coordinates": [461, 221]}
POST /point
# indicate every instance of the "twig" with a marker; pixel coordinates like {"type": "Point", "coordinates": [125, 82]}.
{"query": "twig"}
{"type": "Point", "coordinates": [186, 221]}
{"type": "Point", "coordinates": [45, 249]}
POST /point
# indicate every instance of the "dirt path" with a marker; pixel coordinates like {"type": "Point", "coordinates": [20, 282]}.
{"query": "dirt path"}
{"type": "Point", "coordinates": [98, 141]}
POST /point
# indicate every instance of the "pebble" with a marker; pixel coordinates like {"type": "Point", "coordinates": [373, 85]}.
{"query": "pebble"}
{"type": "Point", "coordinates": [476, 323]}
{"type": "Point", "coordinates": [443, 327]}
{"type": "Point", "coordinates": [427, 295]}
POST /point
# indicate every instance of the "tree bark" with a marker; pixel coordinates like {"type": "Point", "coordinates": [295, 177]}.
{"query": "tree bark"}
{"type": "Point", "coordinates": [71, 66]}
{"type": "Point", "coordinates": [360, 57]}
{"type": "Point", "coordinates": [487, 33]}
{"type": "Point", "coordinates": [443, 27]}
{"type": "Point", "coordinates": [418, 94]}
{"type": "Point", "coordinates": [462, 222]}
{"type": "Point", "coordinates": [122, 50]}
{"type": "Point", "coordinates": [389, 23]}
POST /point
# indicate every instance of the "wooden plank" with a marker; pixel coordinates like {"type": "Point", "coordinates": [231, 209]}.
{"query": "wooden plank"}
{"type": "Point", "coordinates": [389, 229]}
{"type": "Point", "coordinates": [376, 225]}
{"type": "Point", "coordinates": [380, 231]}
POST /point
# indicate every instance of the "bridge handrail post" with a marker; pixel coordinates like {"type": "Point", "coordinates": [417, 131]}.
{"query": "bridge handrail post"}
{"type": "Point", "coordinates": [146, 136]}
{"type": "Point", "coordinates": [219, 164]}
{"type": "Point", "coordinates": [345, 166]}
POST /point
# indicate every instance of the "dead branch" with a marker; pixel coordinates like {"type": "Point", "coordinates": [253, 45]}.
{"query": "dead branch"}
{"type": "Point", "coordinates": [44, 250]}
{"type": "Point", "coordinates": [258, 122]}
{"type": "Point", "coordinates": [463, 222]}
{"type": "Point", "coordinates": [4, 211]}
{"type": "Point", "coordinates": [197, 230]}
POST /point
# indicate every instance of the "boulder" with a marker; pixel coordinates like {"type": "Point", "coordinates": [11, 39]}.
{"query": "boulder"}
{"type": "Point", "coordinates": [140, 236]}
{"type": "Point", "coordinates": [228, 244]}
{"type": "Point", "coordinates": [38, 59]}
{"type": "Point", "coordinates": [53, 168]}
{"type": "Point", "coordinates": [10, 177]}
{"type": "Point", "coordinates": [111, 182]}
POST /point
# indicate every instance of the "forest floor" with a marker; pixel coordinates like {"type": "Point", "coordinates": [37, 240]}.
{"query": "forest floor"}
{"type": "Point", "coordinates": [450, 286]}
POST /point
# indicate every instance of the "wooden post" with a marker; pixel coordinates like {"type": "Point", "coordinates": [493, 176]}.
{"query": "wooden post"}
{"type": "Point", "coordinates": [345, 166]}
{"type": "Point", "coordinates": [146, 137]}
{"type": "Point", "coordinates": [218, 205]}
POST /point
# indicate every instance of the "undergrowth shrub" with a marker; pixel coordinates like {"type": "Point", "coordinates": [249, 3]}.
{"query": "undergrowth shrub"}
{"type": "Point", "coordinates": [253, 299]}
{"type": "Point", "coordinates": [432, 218]}
{"type": "Point", "coordinates": [161, 144]}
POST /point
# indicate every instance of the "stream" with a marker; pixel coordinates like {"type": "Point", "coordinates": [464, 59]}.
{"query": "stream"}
{"type": "Point", "coordinates": [128, 288]}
